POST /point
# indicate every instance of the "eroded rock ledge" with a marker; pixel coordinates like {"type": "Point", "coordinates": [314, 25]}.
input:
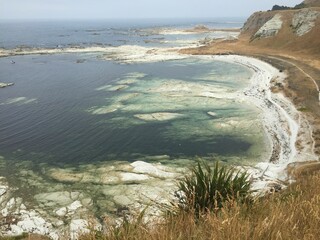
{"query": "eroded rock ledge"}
{"type": "Point", "coordinates": [3, 85]}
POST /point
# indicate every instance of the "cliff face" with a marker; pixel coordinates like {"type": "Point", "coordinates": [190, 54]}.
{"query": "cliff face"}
{"type": "Point", "coordinates": [296, 29]}
{"type": "Point", "coordinates": [256, 21]}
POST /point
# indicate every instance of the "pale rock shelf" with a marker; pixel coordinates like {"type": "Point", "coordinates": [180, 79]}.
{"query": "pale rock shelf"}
{"type": "Point", "coordinates": [304, 20]}
{"type": "Point", "coordinates": [270, 28]}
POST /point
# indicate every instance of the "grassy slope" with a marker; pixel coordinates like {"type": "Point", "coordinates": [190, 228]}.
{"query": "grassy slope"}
{"type": "Point", "coordinates": [292, 214]}
{"type": "Point", "coordinates": [285, 43]}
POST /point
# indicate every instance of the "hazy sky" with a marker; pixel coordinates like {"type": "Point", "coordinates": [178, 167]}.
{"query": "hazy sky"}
{"type": "Point", "coordinates": [75, 9]}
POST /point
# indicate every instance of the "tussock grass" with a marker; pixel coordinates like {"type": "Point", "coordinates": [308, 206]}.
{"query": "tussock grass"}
{"type": "Point", "coordinates": [291, 214]}
{"type": "Point", "coordinates": [206, 189]}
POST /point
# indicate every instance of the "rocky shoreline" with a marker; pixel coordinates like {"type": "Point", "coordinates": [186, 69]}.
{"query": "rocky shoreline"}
{"type": "Point", "coordinates": [283, 123]}
{"type": "Point", "coordinates": [148, 185]}
{"type": "Point", "coordinates": [3, 85]}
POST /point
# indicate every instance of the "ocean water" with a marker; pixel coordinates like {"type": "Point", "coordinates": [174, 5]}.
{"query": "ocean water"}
{"type": "Point", "coordinates": [77, 111]}
{"type": "Point", "coordinates": [52, 112]}
{"type": "Point", "coordinates": [52, 34]}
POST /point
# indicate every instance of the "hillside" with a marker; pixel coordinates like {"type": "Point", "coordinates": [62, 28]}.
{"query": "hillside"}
{"type": "Point", "coordinates": [312, 3]}
{"type": "Point", "coordinates": [294, 32]}
{"type": "Point", "coordinates": [291, 30]}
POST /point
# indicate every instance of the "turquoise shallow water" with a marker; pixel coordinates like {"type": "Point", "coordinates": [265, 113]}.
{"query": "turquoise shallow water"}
{"type": "Point", "coordinates": [64, 112]}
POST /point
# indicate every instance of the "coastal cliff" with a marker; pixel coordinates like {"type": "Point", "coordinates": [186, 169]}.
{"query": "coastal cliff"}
{"type": "Point", "coordinates": [288, 32]}
{"type": "Point", "coordinates": [293, 29]}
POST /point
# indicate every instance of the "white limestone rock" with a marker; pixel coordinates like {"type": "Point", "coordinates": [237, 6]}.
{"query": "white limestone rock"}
{"type": "Point", "coordinates": [72, 208]}
{"type": "Point", "coordinates": [86, 202]}
{"type": "Point", "coordinates": [27, 221]}
{"type": "Point", "coordinates": [147, 168]}
{"type": "Point", "coordinates": [54, 236]}
{"type": "Point", "coordinates": [33, 223]}
{"type": "Point", "coordinates": [78, 227]}
{"type": "Point", "coordinates": [61, 212]}
{"type": "Point", "coordinates": [109, 179]}
{"type": "Point", "coordinates": [133, 177]}
{"type": "Point", "coordinates": [81, 226]}
{"type": "Point", "coordinates": [54, 198]}
{"type": "Point", "coordinates": [213, 114]}
{"type": "Point", "coordinates": [270, 28]}
{"type": "Point", "coordinates": [122, 200]}
{"type": "Point", "coordinates": [76, 195]}
{"type": "Point", "coordinates": [11, 203]}
{"type": "Point", "coordinates": [106, 109]}
{"type": "Point", "coordinates": [3, 190]}
{"type": "Point", "coordinates": [304, 20]}
{"type": "Point", "coordinates": [3, 85]}
{"type": "Point", "coordinates": [58, 223]}
{"type": "Point", "coordinates": [160, 116]}
{"type": "Point", "coordinates": [16, 230]}
{"type": "Point", "coordinates": [9, 207]}
{"type": "Point", "coordinates": [23, 207]}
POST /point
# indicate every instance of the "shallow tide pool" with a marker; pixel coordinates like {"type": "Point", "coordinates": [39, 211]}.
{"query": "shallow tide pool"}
{"type": "Point", "coordinates": [75, 123]}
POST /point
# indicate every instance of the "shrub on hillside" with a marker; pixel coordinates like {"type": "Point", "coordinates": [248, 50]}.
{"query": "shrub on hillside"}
{"type": "Point", "coordinates": [277, 7]}
{"type": "Point", "coordinates": [208, 189]}
{"type": "Point", "coordinates": [301, 5]}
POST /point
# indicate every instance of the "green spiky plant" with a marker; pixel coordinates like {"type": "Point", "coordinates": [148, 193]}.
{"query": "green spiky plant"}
{"type": "Point", "coordinates": [208, 189]}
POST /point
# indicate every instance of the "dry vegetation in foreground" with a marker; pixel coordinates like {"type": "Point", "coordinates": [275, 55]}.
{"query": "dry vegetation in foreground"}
{"type": "Point", "coordinates": [291, 214]}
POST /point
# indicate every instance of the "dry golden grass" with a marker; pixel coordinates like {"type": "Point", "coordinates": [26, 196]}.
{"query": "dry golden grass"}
{"type": "Point", "coordinates": [26, 236]}
{"type": "Point", "coordinates": [291, 214]}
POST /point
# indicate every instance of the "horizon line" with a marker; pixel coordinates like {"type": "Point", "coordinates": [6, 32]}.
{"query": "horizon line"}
{"type": "Point", "coordinates": [124, 18]}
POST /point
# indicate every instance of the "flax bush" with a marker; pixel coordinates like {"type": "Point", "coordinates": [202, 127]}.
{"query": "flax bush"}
{"type": "Point", "coordinates": [207, 189]}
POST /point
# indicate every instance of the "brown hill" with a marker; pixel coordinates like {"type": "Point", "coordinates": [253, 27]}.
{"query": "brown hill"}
{"type": "Point", "coordinates": [299, 30]}
{"type": "Point", "coordinates": [294, 33]}
{"type": "Point", "coordinates": [312, 3]}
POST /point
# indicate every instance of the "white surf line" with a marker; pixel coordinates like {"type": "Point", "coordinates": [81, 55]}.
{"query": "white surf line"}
{"type": "Point", "coordinates": [280, 126]}
{"type": "Point", "coordinates": [316, 86]}
{"type": "Point", "coordinates": [259, 94]}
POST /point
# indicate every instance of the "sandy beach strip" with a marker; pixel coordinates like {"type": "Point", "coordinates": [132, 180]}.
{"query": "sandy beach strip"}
{"type": "Point", "coordinates": [283, 123]}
